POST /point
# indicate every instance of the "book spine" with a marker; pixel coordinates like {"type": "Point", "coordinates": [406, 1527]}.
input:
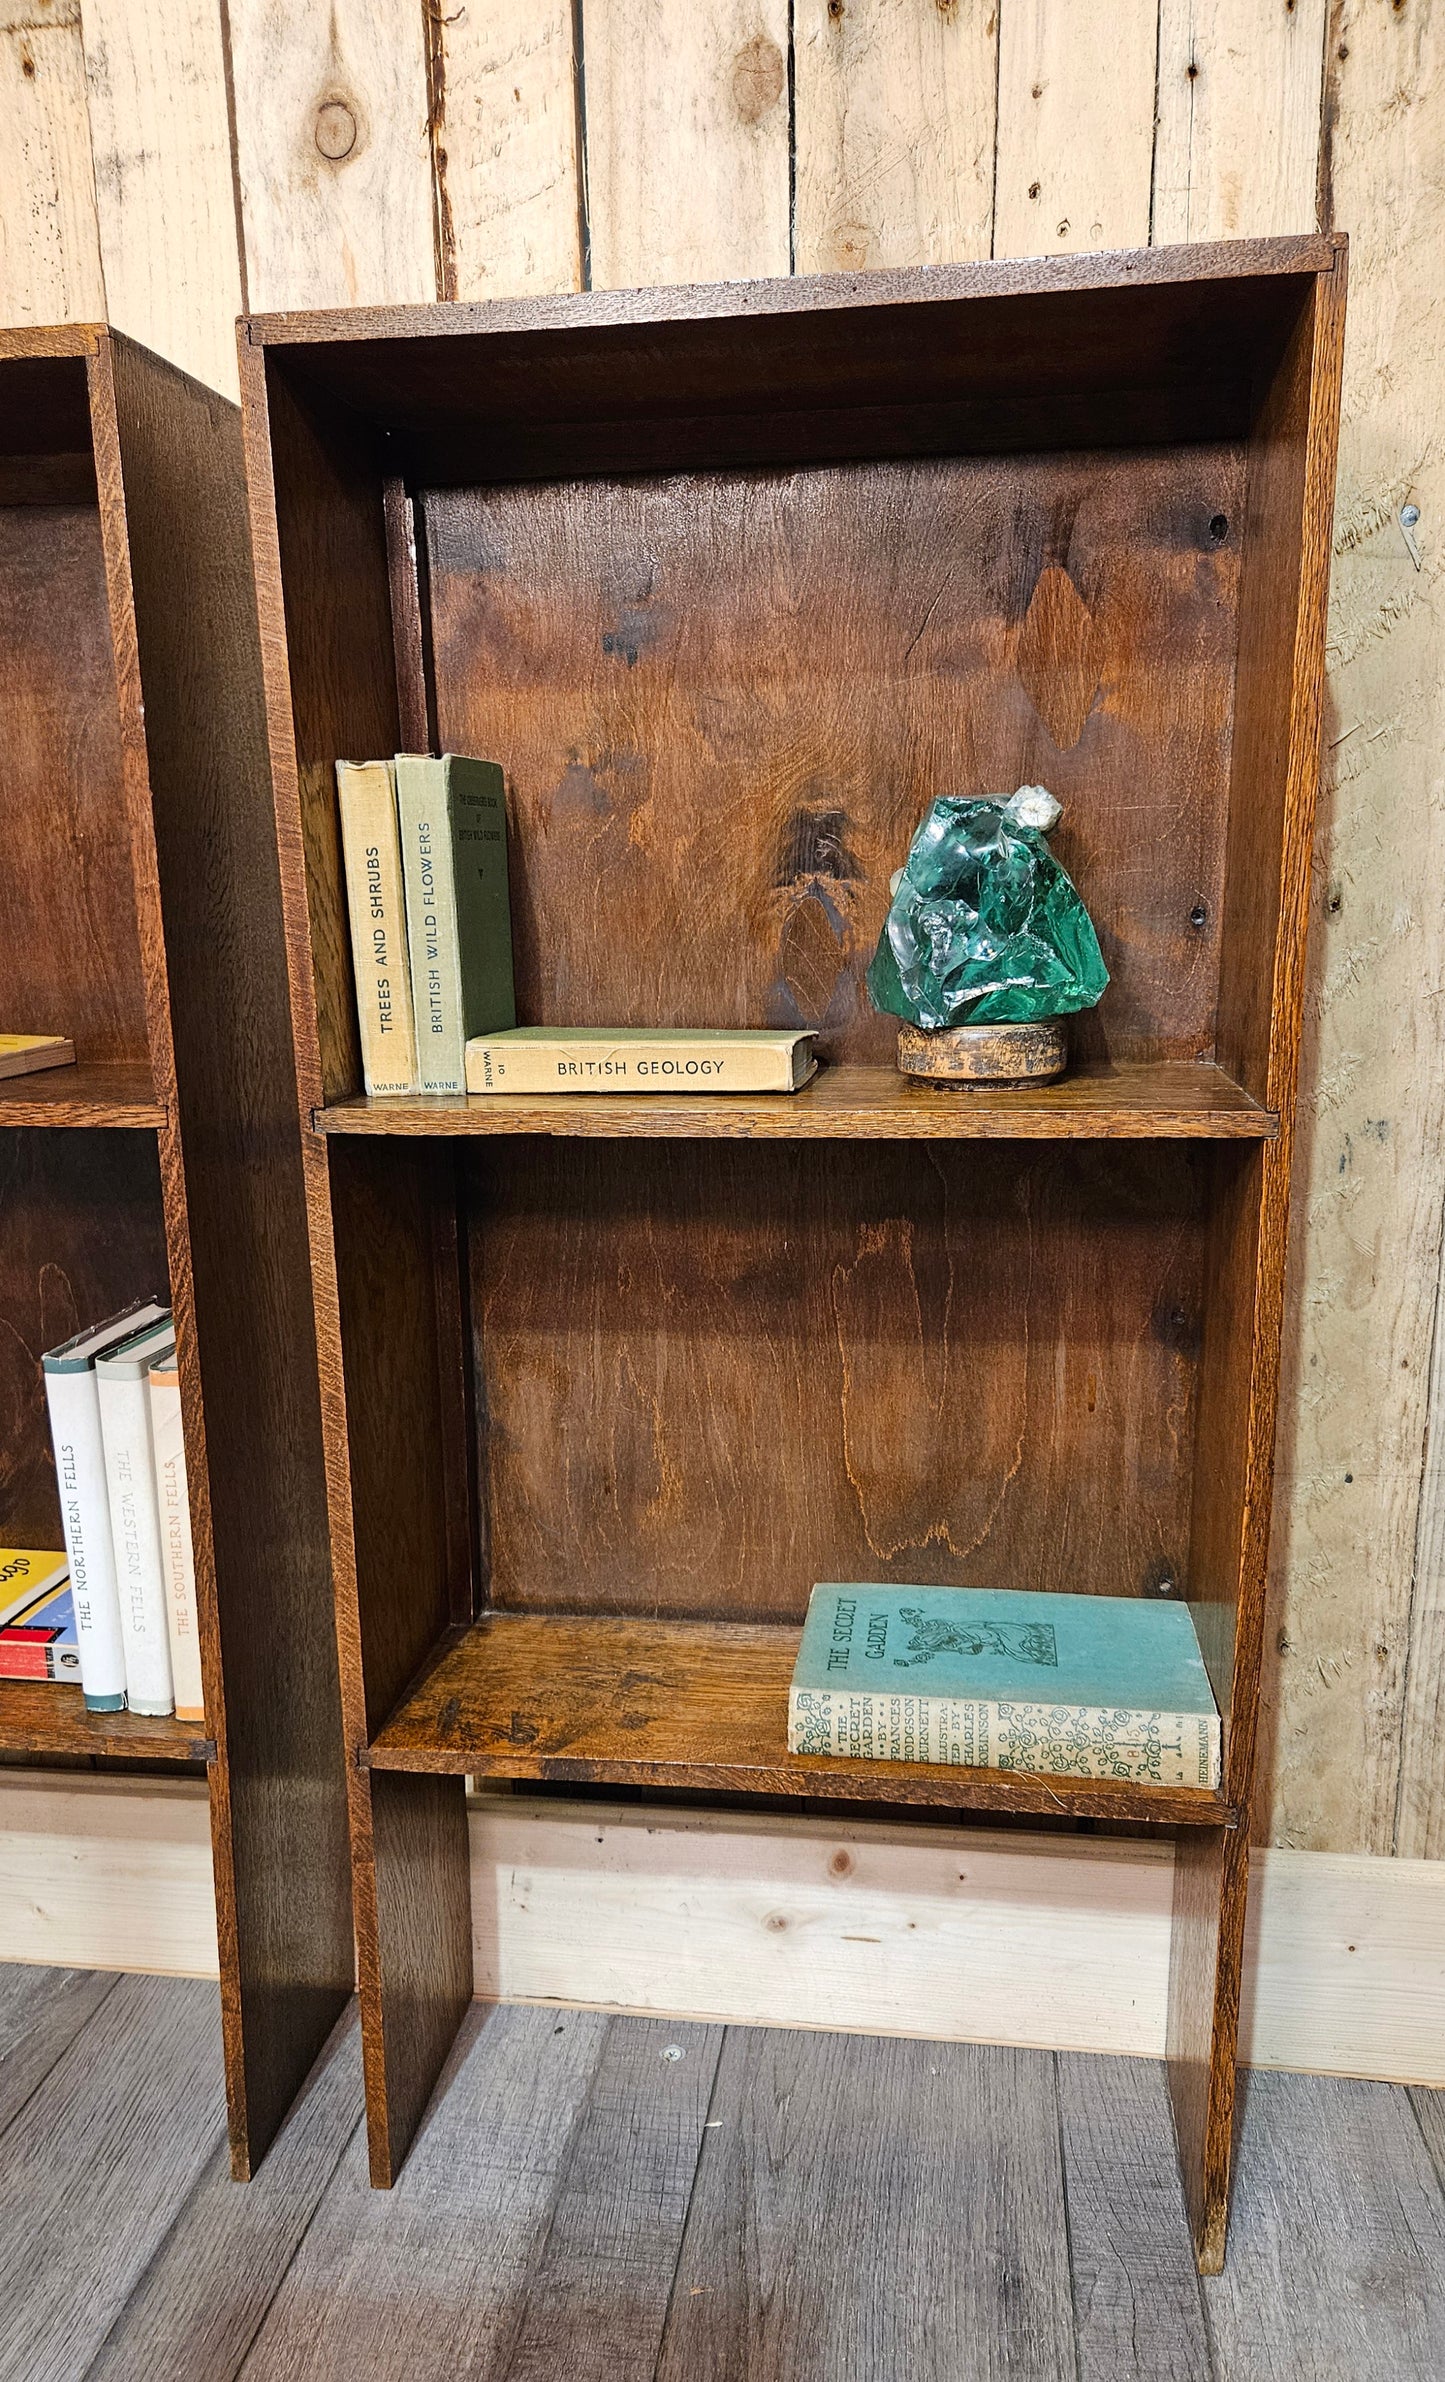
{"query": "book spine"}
{"type": "Point", "coordinates": [135, 1532]}
{"type": "Point", "coordinates": [431, 922]}
{"type": "Point", "coordinates": [1048, 1740]}
{"type": "Point", "coordinates": [85, 1520]}
{"type": "Point", "coordinates": [371, 848]}
{"type": "Point", "coordinates": [168, 1449]}
{"type": "Point", "coordinates": [29, 1654]}
{"type": "Point", "coordinates": [563, 1066]}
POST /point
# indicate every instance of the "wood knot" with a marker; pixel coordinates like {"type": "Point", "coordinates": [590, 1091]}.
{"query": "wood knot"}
{"type": "Point", "coordinates": [775, 1922]}
{"type": "Point", "coordinates": [759, 73]}
{"type": "Point", "coordinates": [336, 130]}
{"type": "Point", "coordinates": [841, 1864]}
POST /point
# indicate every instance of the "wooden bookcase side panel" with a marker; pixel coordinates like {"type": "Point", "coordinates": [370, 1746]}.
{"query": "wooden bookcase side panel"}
{"type": "Point", "coordinates": [242, 1286]}
{"type": "Point", "coordinates": [70, 930]}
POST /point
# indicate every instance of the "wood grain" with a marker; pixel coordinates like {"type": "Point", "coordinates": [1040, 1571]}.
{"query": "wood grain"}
{"type": "Point", "coordinates": [894, 110]}
{"type": "Point", "coordinates": [212, 2277]}
{"type": "Point", "coordinates": [618, 642]}
{"type": "Point", "coordinates": [100, 1095]}
{"type": "Point", "coordinates": [683, 1704]}
{"type": "Point", "coordinates": [1075, 127]}
{"type": "Point", "coordinates": [100, 2159]}
{"type": "Point", "coordinates": [506, 147]}
{"type": "Point", "coordinates": [431, 2279]}
{"type": "Point", "coordinates": [50, 269]}
{"type": "Point", "coordinates": [1236, 149]}
{"type": "Point", "coordinates": [686, 117]}
{"type": "Point", "coordinates": [165, 198]}
{"type": "Point", "coordinates": [1137, 2313]}
{"type": "Point", "coordinates": [1099, 1100]}
{"type": "Point", "coordinates": [606, 2275]}
{"type": "Point", "coordinates": [825, 2226]}
{"type": "Point", "coordinates": [41, 2012]}
{"type": "Point", "coordinates": [1340, 2166]}
{"type": "Point", "coordinates": [332, 155]}
{"type": "Point", "coordinates": [37, 1716]}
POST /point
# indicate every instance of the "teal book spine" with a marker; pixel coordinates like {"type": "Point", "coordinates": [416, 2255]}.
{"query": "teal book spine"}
{"type": "Point", "coordinates": [1000, 1679]}
{"type": "Point", "coordinates": [453, 821]}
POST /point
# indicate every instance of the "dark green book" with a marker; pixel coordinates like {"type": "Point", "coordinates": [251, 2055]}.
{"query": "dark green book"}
{"type": "Point", "coordinates": [453, 820]}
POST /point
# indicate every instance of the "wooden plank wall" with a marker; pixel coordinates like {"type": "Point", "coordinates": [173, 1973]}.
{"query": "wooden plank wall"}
{"type": "Point", "coordinates": [173, 159]}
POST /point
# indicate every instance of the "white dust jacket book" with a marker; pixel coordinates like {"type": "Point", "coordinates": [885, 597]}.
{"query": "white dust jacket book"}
{"type": "Point", "coordinates": [122, 1379]}
{"type": "Point", "coordinates": [169, 1450]}
{"type": "Point", "coordinates": [71, 1394]}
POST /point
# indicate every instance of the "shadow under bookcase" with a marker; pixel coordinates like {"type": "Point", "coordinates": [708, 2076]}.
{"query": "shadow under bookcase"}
{"type": "Point", "coordinates": [139, 916]}
{"type": "Point", "coordinates": [733, 581]}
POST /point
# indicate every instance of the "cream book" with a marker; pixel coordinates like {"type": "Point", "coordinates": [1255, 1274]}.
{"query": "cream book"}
{"type": "Point", "coordinates": [376, 905]}
{"type": "Point", "coordinates": [1005, 1679]}
{"type": "Point", "coordinates": [73, 1397]}
{"type": "Point", "coordinates": [125, 1430]}
{"type": "Point", "coordinates": [534, 1059]}
{"type": "Point", "coordinates": [25, 1054]}
{"type": "Point", "coordinates": [168, 1450]}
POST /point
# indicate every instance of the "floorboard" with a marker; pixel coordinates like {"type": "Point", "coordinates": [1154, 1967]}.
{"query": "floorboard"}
{"type": "Point", "coordinates": [429, 2280]}
{"type": "Point", "coordinates": [97, 2164]}
{"type": "Point", "coordinates": [1137, 2311]}
{"type": "Point", "coordinates": [1336, 2264]}
{"type": "Point", "coordinates": [600, 2293]}
{"type": "Point", "coordinates": [881, 2210]}
{"type": "Point", "coordinates": [1428, 2105]}
{"type": "Point", "coordinates": [41, 2012]}
{"type": "Point", "coordinates": [194, 2313]}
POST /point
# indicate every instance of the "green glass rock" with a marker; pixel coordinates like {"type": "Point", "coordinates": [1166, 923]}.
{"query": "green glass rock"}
{"type": "Point", "coordinates": [985, 927]}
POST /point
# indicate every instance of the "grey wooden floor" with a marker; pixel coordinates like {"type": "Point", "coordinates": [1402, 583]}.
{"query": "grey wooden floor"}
{"type": "Point", "coordinates": [621, 2200]}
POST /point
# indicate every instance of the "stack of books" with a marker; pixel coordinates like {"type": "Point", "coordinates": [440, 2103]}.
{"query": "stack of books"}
{"type": "Point", "coordinates": [115, 1423]}
{"type": "Point", "coordinates": [425, 847]}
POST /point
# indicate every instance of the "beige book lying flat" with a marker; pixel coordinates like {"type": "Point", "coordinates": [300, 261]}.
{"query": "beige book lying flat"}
{"type": "Point", "coordinates": [533, 1059]}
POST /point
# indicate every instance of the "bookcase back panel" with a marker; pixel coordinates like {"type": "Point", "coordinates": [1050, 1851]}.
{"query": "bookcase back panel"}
{"type": "Point", "coordinates": [59, 1270]}
{"type": "Point", "coordinates": [69, 950]}
{"type": "Point", "coordinates": [725, 699]}
{"type": "Point", "coordinates": [713, 1375]}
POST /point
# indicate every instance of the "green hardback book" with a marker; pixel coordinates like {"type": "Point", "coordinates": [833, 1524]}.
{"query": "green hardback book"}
{"type": "Point", "coordinates": [1005, 1679]}
{"type": "Point", "coordinates": [453, 820]}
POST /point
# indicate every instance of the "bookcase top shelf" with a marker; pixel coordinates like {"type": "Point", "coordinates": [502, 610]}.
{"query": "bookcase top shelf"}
{"type": "Point", "coordinates": [635, 1702]}
{"type": "Point", "coordinates": [82, 1096]}
{"type": "Point", "coordinates": [36, 1716]}
{"type": "Point", "coordinates": [1097, 1101]}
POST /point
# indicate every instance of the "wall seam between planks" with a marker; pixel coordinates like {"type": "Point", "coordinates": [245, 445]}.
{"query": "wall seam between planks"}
{"type": "Point", "coordinates": [1434, 1382]}
{"type": "Point", "coordinates": [1154, 144]}
{"type": "Point", "coordinates": [233, 141]}
{"type": "Point", "coordinates": [444, 238]}
{"type": "Point", "coordinates": [579, 107]}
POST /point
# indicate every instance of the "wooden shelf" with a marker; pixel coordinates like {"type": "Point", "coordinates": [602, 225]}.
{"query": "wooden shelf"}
{"type": "Point", "coordinates": [688, 1704]}
{"type": "Point", "coordinates": [86, 1095]}
{"type": "Point", "coordinates": [37, 1717]}
{"type": "Point", "coordinates": [1176, 1099]}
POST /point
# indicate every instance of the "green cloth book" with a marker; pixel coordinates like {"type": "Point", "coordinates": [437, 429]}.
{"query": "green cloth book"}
{"type": "Point", "coordinates": [1005, 1679]}
{"type": "Point", "coordinates": [452, 815]}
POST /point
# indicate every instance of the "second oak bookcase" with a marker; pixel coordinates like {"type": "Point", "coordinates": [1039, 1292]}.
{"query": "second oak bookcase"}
{"type": "Point", "coordinates": [733, 581]}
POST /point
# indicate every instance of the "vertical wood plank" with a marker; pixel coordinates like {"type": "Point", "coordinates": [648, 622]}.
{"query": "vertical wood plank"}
{"type": "Point", "coordinates": [165, 191]}
{"type": "Point", "coordinates": [687, 140]}
{"type": "Point", "coordinates": [894, 110]}
{"type": "Point", "coordinates": [1236, 155]}
{"type": "Point", "coordinates": [1137, 2313]}
{"type": "Point", "coordinates": [50, 269]}
{"type": "Point", "coordinates": [505, 149]}
{"type": "Point", "coordinates": [1353, 1741]}
{"type": "Point", "coordinates": [333, 154]}
{"type": "Point", "coordinates": [1075, 126]}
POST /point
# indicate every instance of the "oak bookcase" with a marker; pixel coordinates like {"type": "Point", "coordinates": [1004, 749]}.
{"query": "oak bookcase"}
{"type": "Point", "coordinates": [139, 915]}
{"type": "Point", "coordinates": [732, 581]}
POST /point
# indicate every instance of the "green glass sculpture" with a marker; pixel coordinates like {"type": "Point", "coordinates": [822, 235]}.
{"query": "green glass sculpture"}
{"type": "Point", "coordinates": [985, 927]}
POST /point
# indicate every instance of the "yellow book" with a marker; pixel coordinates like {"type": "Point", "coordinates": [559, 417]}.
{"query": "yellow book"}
{"type": "Point", "coordinates": [24, 1054]}
{"type": "Point", "coordinates": [371, 846]}
{"type": "Point", "coordinates": [26, 1574]}
{"type": "Point", "coordinates": [532, 1059]}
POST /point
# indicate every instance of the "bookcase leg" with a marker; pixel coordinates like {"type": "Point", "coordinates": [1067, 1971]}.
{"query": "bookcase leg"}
{"type": "Point", "coordinates": [1205, 1958]}
{"type": "Point", "coordinates": [414, 1947]}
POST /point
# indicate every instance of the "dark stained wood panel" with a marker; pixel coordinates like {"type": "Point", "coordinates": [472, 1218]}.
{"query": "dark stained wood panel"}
{"type": "Point", "coordinates": [687, 1704]}
{"type": "Point", "coordinates": [41, 1716]}
{"type": "Point", "coordinates": [60, 1273]}
{"type": "Point", "coordinates": [69, 949]}
{"type": "Point", "coordinates": [1099, 1100]}
{"type": "Point", "coordinates": [711, 1376]}
{"type": "Point", "coordinates": [724, 702]}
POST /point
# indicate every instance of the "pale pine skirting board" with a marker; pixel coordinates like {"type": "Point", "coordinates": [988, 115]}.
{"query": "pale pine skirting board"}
{"type": "Point", "coordinates": [998, 1937]}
